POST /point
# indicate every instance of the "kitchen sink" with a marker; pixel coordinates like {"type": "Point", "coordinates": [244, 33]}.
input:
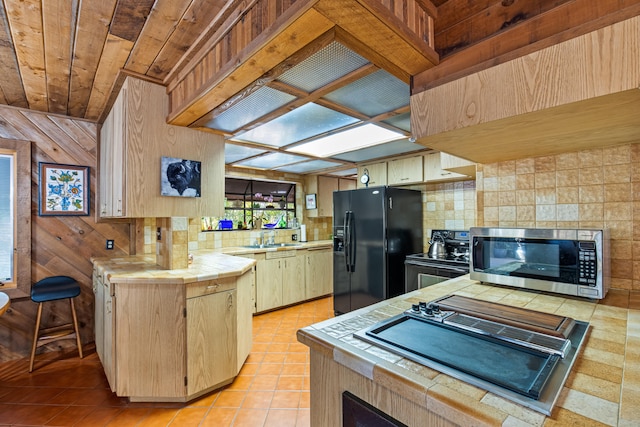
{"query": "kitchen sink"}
{"type": "Point", "coordinates": [270, 246]}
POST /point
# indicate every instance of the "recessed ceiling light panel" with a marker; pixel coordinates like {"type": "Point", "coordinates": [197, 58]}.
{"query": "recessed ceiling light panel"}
{"type": "Point", "coordinates": [351, 139]}
{"type": "Point", "coordinates": [304, 122]}
{"type": "Point", "coordinates": [272, 161]}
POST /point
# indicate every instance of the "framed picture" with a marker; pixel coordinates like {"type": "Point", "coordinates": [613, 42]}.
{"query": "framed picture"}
{"type": "Point", "coordinates": [311, 201]}
{"type": "Point", "coordinates": [63, 189]}
{"type": "Point", "coordinates": [180, 177]}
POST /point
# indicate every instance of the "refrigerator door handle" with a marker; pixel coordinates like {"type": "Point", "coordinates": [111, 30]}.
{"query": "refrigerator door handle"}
{"type": "Point", "coordinates": [347, 240]}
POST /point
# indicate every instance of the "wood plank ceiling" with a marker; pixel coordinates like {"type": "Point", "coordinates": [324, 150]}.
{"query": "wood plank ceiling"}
{"type": "Point", "coordinates": [67, 57]}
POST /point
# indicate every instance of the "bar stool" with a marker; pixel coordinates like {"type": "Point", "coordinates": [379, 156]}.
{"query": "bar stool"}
{"type": "Point", "coordinates": [51, 289]}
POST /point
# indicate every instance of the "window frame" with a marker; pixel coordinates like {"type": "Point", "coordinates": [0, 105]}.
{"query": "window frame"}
{"type": "Point", "coordinates": [21, 285]}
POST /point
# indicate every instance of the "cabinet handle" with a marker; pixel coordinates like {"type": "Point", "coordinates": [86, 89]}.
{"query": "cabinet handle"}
{"type": "Point", "coordinates": [108, 306]}
{"type": "Point", "coordinates": [404, 179]}
{"type": "Point", "coordinates": [445, 173]}
{"type": "Point", "coordinates": [213, 286]}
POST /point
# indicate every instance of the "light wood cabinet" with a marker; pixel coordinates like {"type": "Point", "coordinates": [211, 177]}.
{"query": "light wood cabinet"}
{"type": "Point", "coordinates": [377, 174]}
{"type": "Point", "coordinates": [346, 184]}
{"type": "Point", "coordinates": [458, 165]}
{"type": "Point", "coordinates": [405, 171]}
{"type": "Point", "coordinates": [318, 272]}
{"type": "Point", "coordinates": [323, 187]}
{"type": "Point", "coordinates": [279, 279]}
{"type": "Point", "coordinates": [133, 140]}
{"type": "Point", "coordinates": [293, 280]}
{"type": "Point", "coordinates": [433, 171]}
{"type": "Point", "coordinates": [211, 340]}
{"type": "Point", "coordinates": [165, 342]}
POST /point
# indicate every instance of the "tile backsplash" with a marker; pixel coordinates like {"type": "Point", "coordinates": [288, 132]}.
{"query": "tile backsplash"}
{"type": "Point", "coordinates": [597, 188]}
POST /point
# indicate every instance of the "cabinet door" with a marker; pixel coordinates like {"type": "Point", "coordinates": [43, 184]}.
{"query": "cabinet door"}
{"type": "Point", "coordinates": [293, 280]}
{"type": "Point", "coordinates": [319, 273]}
{"type": "Point", "coordinates": [346, 184]}
{"type": "Point", "coordinates": [112, 160]}
{"type": "Point", "coordinates": [405, 171]}
{"type": "Point", "coordinates": [211, 340]}
{"type": "Point", "coordinates": [268, 284]}
{"type": "Point", "coordinates": [98, 291]}
{"type": "Point", "coordinates": [245, 289]}
{"type": "Point", "coordinates": [150, 340]}
{"type": "Point", "coordinates": [326, 186]}
{"type": "Point", "coordinates": [377, 174]}
{"type": "Point", "coordinates": [433, 171]}
{"type": "Point", "coordinates": [109, 343]}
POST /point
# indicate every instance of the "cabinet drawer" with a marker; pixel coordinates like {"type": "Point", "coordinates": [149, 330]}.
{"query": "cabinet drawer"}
{"type": "Point", "coordinates": [199, 289]}
{"type": "Point", "coordinates": [280, 254]}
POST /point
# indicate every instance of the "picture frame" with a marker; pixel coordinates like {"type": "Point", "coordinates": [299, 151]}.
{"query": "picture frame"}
{"type": "Point", "coordinates": [180, 177]}
{"type": "Point", "coordinates": [63, 189]}
{"type": "Point", "coordinates": [310, 200]}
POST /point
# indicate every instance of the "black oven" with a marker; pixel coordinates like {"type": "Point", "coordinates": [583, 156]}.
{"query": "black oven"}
{"type": "Point", "coordinates": [423, 270]}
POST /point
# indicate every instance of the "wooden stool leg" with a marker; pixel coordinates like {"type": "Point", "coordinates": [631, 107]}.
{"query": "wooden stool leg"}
{"type": "Point", "coordinates": [35, 337]}
{"type": "Point", "coordinates": [75, 326]}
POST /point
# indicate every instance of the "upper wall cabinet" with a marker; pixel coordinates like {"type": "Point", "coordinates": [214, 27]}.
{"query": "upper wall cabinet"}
{"type": "Point", "coordinates": [405, 171]}
{"type": "Point", "coordinates": [323, 187]}
{"type": "Point", "coordinates": [377, 174]}
{"type": "Point", "coordinates": [577, 95]}
{"type": "Point", "coordinates": [133, 140]}
{"type": "Point", "coordinates": [440, 167]}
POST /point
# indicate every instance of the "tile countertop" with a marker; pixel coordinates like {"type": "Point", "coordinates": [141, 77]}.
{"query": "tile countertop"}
{"type": "Point", "coordinates": [207, 265]}
{"type": "Point", "coordinates": [603, 387]}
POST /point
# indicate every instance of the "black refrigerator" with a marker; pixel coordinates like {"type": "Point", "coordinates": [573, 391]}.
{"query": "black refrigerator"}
{"type": "Point", "coordinates": [374, 229]}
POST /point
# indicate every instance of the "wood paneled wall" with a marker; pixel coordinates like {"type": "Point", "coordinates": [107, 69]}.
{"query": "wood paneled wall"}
{"type": "Point", "coordinates": [61, 245]}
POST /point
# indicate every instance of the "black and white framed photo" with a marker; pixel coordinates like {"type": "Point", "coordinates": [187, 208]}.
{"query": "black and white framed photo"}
{"type": "Point", "coordinates": [310, 201]}
{"type": "Point", "coordinates": [180, 177]}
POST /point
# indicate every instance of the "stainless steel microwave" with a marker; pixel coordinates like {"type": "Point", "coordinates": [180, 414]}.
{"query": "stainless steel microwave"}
{"type": "Point", "coordinates": [564, 261]}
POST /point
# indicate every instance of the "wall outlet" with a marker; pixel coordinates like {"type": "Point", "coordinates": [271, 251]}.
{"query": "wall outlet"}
{"type": "Point", "coordinates": [159, 234]}
{"type": "Point", "coordinates": [109, 244]}
{"type": "Point", "coordinates": [294, 237]}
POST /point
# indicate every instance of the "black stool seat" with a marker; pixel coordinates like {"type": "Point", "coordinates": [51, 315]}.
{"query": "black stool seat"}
{"type": "Point", "coordinates": [53, 288]}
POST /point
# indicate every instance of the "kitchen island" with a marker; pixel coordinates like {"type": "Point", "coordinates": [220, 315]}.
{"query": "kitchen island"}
{"type": "Point", "coordinates": [603, 387]}
{"type": "Point", "coordinates": [172, 335]}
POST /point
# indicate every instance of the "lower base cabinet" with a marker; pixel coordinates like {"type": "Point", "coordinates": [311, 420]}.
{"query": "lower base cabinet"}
{"type": "Point", "coordinates": [172, 343]}
{"type": "Point", "coordinates": [289, 277]}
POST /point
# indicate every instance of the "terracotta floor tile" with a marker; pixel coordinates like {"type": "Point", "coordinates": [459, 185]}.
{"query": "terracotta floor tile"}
{"type": "Point", "coordinates": [219, 417]}
{"type": "Point", "coordinates": [258, 399]}
{"type": "Point", "coordinates": [241, 382]}
{"type": "Point", "coordinates": [286, 400]}
{"type": "Point", "coordinates": [291, 382]}
{"type": "Point", "coordinates": [274, 357]}
{"type": "Point", "coordinates": [270, 369]}
{"type": "Point", "coordinates": [250, 418]}
{"type": "Point", "coordinates": [271, 389]}
{"type": "Point", "coordinates": [230, 399]}
{"type": "Point", "coordinates": [293, 369]}
{"type": "Point", "coordinates": [297, 358]}
{"type": "Point", "coordinates": [158, 417]}
{"type": "Point", "coordinates": [304, 418]}
{"type": "Point", "coordinates": [305, 400]}
{"type": "Point", "coordinates": [130, 417]}
{"type": "Point", "coordinates": [189, 417]}
{"type": "Point", "coordinates": [281, 418]}
{"type": "Point", "coordinates": [264, 383]}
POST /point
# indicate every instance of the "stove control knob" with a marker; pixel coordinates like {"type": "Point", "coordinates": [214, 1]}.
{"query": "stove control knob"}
{"type": "Point", "coordinates": [428, 311]}
{"type": "Point", "coordinates": [415, 307]}
{"type": "Point", "coordinates": [423, 305]}
{"type": "Point", "coordinates": [435, 308]}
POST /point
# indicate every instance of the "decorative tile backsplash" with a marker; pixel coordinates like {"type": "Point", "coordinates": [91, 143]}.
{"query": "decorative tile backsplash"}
{"type": "Point", "coordinates": [597, 188]}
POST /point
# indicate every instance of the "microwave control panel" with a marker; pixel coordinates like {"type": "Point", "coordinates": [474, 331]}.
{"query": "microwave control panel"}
{"type": "Point", "coordinates": [587, 263]}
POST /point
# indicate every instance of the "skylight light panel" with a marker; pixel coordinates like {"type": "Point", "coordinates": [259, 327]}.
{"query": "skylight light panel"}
{"type": "Point", "coordinates": [362, 136]}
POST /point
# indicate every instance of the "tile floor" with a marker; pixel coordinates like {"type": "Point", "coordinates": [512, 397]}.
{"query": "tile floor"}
{"type": "Point", "coordinates": [272, 388]}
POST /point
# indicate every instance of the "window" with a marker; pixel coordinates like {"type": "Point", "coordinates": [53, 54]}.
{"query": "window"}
{"type": "Point", "coordinates": [7, 216]}
{"type": "Point", "coordinates": [256, 204]}
{"type": "Point", "coordinates": [15, 217]}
